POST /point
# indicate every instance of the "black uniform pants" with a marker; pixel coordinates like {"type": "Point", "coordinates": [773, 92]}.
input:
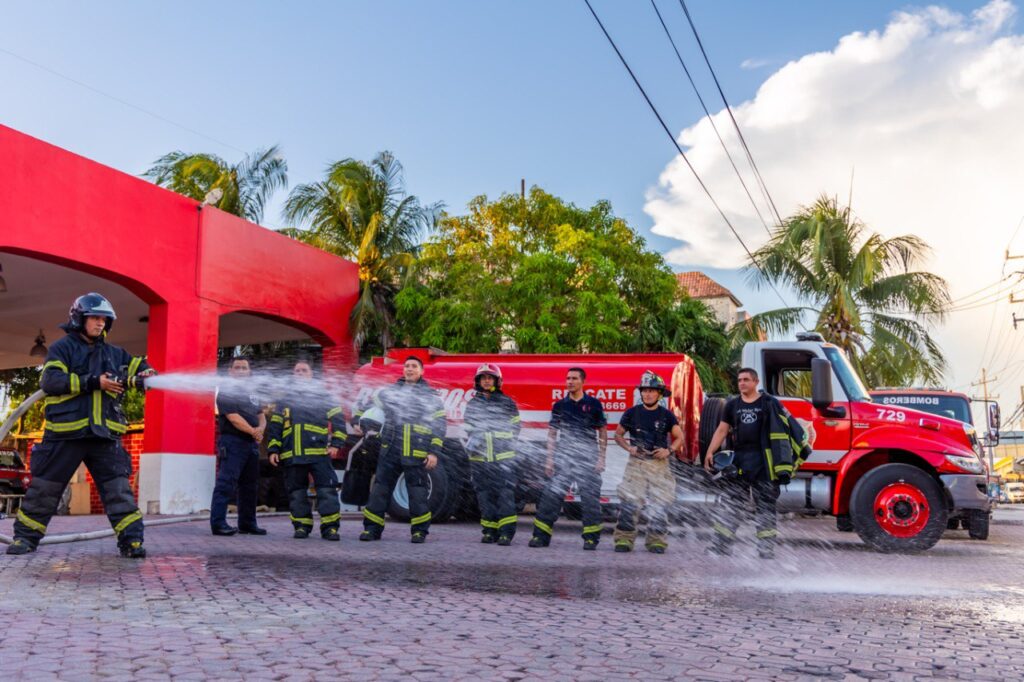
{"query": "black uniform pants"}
{"type": "Point", "coordinates": [495, 492]}
{"type": "Point", "coordinates": [54, 463]}
{"type": "Point", "coordinates": [296, 478]}
{"type": "Point", "coordinates": [737, 495]}
{"type": "Point", "coordinates": [238, 469]}
{"type": "Point", "coordinates": [390, 466]}
{"type": "Point", "coordinates": [579, 467]}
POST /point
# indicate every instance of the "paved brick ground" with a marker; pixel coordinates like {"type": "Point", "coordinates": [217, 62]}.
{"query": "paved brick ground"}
{"type": "Point", "coordinates": [276, 608]}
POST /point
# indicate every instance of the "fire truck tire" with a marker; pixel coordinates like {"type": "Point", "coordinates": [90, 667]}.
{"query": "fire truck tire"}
{"type": "Point", "coordinates": [844, 524]}
{"type": "Point", "coordinates": [953, 523]}
{"type": "Point", "coordinates": [710, 418]}
{"type": "Point", "coordinates": [898, 508]}
{"type": "Point", "coordinates": [977, 522]}
{"type": "Point", "coordinates": [441, 499]}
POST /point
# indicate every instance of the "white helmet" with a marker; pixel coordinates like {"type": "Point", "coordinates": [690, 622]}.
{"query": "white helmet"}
{"type": "Point", "coordinates": [372, 421]}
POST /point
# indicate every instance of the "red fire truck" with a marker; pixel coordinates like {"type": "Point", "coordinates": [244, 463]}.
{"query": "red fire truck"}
{"type": "Point", "coordinates": [895, 475]}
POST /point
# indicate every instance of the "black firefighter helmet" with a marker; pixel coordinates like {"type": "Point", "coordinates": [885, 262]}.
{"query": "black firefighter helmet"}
{"type": "Point", "coordinates": [90, 305]}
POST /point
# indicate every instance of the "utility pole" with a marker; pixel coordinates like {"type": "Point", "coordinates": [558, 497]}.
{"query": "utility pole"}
{"type": "Point", "coordinates": [985, 381]}
{"type": "Point", "coordinates": [522, 189]}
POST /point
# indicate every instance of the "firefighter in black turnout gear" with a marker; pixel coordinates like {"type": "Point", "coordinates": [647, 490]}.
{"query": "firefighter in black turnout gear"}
{"type": "Point", "coordinates": [769, 446]}
{"type": "Point", "coordinates": [411, 442]}
{"type": "Point", "coordinates": [305, 431]}
{"type": "Point", "coordinates": [84, 379]}
{"type": "Point", "coordinates": [577, 432]}
{"type": "Point", "coordinates": [492, 426]}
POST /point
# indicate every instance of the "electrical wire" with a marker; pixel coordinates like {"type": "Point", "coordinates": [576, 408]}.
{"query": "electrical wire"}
{"type": "Point", "coordinates": [123, 102]}
{"type": "Point", "coordinates": [710, 119]}
{"type": "Point", "coordinates": [679, 149]}
{"type": "Point", "coordinates": [728, 109]}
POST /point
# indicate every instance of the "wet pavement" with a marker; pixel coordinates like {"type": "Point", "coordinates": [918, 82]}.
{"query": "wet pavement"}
{"type": "Point", "coordinates": [275, 608]}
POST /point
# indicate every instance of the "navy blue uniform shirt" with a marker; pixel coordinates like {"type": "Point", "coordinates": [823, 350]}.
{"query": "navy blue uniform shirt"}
{"type": "Point", "coordinates": [577, 420]}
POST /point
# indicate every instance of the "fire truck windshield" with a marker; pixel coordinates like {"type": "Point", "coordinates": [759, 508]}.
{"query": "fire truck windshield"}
{"type": "Point", "coordinates": [855, 390]}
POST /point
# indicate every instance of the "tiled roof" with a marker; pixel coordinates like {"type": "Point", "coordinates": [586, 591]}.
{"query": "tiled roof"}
{"type": "Point", "coordinates": [700, 286]}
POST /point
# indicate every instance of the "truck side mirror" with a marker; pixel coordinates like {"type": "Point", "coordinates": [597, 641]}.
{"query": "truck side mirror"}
{"type": "Point", "coordinates": [821, 383]}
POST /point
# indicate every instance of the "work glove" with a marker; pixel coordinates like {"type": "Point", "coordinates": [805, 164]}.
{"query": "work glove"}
{"type": "Point", "coordinates": [784, 479]}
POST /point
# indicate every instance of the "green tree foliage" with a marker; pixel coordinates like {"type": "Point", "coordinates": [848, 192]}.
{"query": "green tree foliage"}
{"type": "Point", "coordinates": [243, 188]}
{"type": "Point", "coordinates": [361, 211]}
{"type": "Point", "coordinates": [864, 291]}
{"type": "Point", "coordinates": [550, 277]}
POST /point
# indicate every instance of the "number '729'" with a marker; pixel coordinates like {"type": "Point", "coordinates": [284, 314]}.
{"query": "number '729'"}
{"type": "Point", "coordinates": [891, 415]}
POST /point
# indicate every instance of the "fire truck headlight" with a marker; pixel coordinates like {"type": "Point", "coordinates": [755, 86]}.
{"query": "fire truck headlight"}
{"type": "Point", "coordinates": [970, 464]}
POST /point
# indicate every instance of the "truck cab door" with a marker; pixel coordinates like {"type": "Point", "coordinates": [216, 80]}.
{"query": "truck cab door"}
{"type": "Point", "coordinates": [810, 393]}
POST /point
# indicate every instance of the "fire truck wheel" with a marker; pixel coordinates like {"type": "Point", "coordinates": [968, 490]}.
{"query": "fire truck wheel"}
{"type": "Point", "coordinates": [977, 521]}
{"type": "Point", "coordinates": [844, 524]}
{"type": "Point", "coordinates": [898, 508]}
{"type": "Point", "coordinates": [710, 418]}
{"type": "Point", "coordinates": [441, 497]}
{"type": "Point", "coordinates": [953, 523]}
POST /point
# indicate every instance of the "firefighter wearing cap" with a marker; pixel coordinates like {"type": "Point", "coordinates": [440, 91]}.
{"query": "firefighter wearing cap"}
{"type": "Point", "coordinates": [411, 442]}
{"type": "Point", "coordinates": [492, 423]}
{"type": "Point", "coordinates": [648, 483]}
{"type": "Point", "coordinates": [84, 379]}
{"type": "Point", "coordinates": [305, 432]}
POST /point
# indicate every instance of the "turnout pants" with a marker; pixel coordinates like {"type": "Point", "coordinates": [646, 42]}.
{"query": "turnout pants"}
{"type": "Point", "coordinates": [736, 498]}
{"type": "Point", "coordinates": [54, 463]}
{"type": "Point", "coordinates": [495, 491]}
{"type": "Point", "coordinates": [390, 466]}
{"type": "Point", "coordinates": [296, 477]}
{"type": "Point", "coordinates": [648, 485]}
{"type": "Point", "coordinates": [579, 467]}
{"type": "Point", "coordinates": [238, 469]}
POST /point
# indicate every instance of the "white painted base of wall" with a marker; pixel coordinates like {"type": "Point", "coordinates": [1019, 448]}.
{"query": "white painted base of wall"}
{"type": "Point", "coordinates": [171, 483]}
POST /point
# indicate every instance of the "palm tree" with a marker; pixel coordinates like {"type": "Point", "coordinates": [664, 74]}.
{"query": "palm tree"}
{"type": "Point", "coordinates": [862, 289]}
{"type": "Point", "coordinates": [361, 211]}
{"type": "Point", "coordinates": [242, 189]}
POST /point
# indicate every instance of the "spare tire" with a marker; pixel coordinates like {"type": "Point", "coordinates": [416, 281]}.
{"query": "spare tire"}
{"type": "Point", "coordinates": [710, 418]}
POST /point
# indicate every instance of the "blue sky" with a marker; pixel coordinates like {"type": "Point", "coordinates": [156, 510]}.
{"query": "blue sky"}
{"type": "Point", "coordinates": [471, 96]}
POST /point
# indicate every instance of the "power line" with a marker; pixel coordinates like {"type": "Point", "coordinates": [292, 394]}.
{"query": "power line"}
{"type": "Point", "coordinates": [679, 149]}
{"type": "Point", "coordinates": [710, 119]}
{"type": "Point", "coordinates": [123, 102]}
{"type": "Point", "coordinates": [728, 109]}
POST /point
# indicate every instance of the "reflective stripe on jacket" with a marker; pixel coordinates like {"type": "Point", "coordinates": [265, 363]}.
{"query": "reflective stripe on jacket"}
{"type": "Point", "coordinates": [75, 406]}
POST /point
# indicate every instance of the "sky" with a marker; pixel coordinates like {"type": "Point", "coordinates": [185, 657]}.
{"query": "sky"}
{"type": "Point", "coordinates": [917, 102]}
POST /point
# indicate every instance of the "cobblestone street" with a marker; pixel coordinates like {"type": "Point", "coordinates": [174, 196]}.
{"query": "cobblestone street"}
{"type": "Point", "coordinates": [276, 608]}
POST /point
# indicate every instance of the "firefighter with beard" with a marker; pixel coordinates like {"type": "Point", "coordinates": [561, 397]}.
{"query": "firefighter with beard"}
{"type": "Point", "coordinates": [648, 483]}
{"type": "Point", "coordinates": [84, 379]}
{"type": "Point", "coordinates": [411, 442]}
{"type": "Point", "coordinates": [492, 426]}
{"type": "Point", "coordinates": [305, 433]}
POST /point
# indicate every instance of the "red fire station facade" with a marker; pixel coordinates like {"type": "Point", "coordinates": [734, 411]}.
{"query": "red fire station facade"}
{"type": "Point", "coordinates": [184, 278]}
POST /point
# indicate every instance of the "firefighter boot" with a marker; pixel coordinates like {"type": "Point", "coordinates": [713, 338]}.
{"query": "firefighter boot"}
{"type": "Point", "coordinates": [489, 537]}
{"type": "Point", "coordinates": [623, 546]}
{"type": "Point", "coordinates": [20, 546]}
{"type": "Point", "coordinates": [589, 544]}
{"type": "Point", "coordinates": [418, 538]}
{"type": "Point", "coordinates": [539, 540]}
{"type": "Point", "coordinates": [300, 533]}
{"type": "Point", "coordinates": [330, 534]}
{"type": "Point", "coordinates": [132, 549]}
{"type": "Point", "coordinates": [504, 540]}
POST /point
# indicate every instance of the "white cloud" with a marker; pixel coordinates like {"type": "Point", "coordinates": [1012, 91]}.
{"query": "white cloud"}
{"type": "Point", "coordinates": [927, 111]}
{"type": "Point", "coordinates": [754, 63]}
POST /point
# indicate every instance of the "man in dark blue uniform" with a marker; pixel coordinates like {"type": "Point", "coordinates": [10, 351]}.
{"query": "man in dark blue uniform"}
{"type": "Point", "coordinates": [84, 379]}
{"type": "Point", "coordinates": [578, 435]}
{"type": "Point", "coordinates": [242, 423]}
